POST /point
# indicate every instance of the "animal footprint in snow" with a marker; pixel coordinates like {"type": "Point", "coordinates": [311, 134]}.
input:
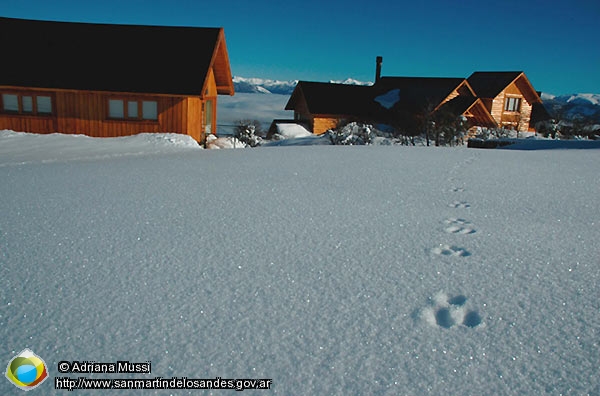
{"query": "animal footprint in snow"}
{"type": "Point", "coordinates": [455, 221]}
{"type": "Point", "coordinates": [458, 226]}
{"type": "Point", "coordinates": [460, 204]}
{"type": "Point", "coordinates": [447, 250]}
{"type": "Point", "coordinates": [448, 312]}
{"type": "Point", "coordinates": [457, 189]}
{"type": "Point", "coordinates": [456, 229]}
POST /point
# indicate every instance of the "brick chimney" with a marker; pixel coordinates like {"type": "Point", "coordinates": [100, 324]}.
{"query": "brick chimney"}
{"type": "Point", "coordinates": [379, 60]}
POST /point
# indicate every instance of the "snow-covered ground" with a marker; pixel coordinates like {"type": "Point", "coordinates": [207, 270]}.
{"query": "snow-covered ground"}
{"type": "Point", "coordinates": [332, 270]}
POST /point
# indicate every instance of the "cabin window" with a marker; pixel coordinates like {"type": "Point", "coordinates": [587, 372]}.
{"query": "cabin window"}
{"type": "Point", "coordinates": [11, 103]}
{"type": "Point", "coordinates": [149, 110]}
{"type": "Point", "coordinates": [44, 104]}
{"type": "Point", "coordinates": [132, 109]}
{"type": "Point", "coordinates": [27, 103]}
{"type": "Point", "coordinates": [115, 108]}
{"type": "Point", "coordinates": [512, 104]}
{"type": "Point", "coordinates": [208, 113]}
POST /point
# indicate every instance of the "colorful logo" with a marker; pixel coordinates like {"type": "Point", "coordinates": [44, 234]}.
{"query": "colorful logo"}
{"type": "Point", "coordinates": [26, 370]}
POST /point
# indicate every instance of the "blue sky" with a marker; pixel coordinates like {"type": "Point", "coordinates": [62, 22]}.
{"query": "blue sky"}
{"type": "Point", "coordinates": [556, 43]}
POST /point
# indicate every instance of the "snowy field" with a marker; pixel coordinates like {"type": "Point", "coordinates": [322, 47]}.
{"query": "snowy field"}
{"type": "Point", "coordinates": [330, 270]}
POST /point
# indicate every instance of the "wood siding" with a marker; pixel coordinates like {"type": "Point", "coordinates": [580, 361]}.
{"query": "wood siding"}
{"type": "Point", "coordinates": [34, 124]}
{"type": "Point", "coordinates": [84, 112]}
{"type": "Point", "coordinates": [194, 119]}
{"type": "Point", "coordinates": [508, 119]}
{"type": "Point", "coordinates": [452, 95]}
{"type": "Point", "coordinates": [221, 70]}
{"type": "Point", "coordinates": [322, 124]}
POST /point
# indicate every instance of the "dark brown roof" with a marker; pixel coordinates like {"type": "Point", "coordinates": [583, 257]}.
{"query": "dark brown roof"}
{"type": "Point", "coordinates": [459, 104]}
{"type": "Point", "coordinates": [412, 97]}
{"type": "Point", "coordinates": [121, 58]}
{"type": "Point", "coordinates": [329, 98]}
{"type": "Point", "coordinates": [490, 84]}
{"type": "Point", "coordinates": [418, 92]}
{"type": "Point", "coordinates": [415, 93]}
{"type": "Point", "coordinates": [539, 113]}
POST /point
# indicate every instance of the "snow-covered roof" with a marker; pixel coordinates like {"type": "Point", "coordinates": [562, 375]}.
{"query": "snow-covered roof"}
{"type": "Point", "coordinates": [292, 131]}
{"type": "Point", "coordinates": [388, 99]}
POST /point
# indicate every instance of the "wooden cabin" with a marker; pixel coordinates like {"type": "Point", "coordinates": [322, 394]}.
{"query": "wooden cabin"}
{"type": "Point", "coordinates": [420, 97]}
{"type": "Point", "coordinates": [323, 105]}
{"type": "Point", "coordinates": [111, 80]}
{"type": "Point", "coordinates": [509, 97]}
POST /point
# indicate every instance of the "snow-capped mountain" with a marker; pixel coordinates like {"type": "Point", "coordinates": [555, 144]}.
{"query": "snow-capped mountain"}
{"type": "Point", "coordinates": [266, 86]}
{"type": "Point", "coordinates": [351, 81]}
{"type": "Point", "coordinates": [585, 99]}
{"type": "Point", "coordinates": [575, 105]}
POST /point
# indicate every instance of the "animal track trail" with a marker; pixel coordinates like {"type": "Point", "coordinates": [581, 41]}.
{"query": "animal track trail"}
{"type": "Point", "coordinates": [448, 312]}
{"type": "Point", "coordinates": [457, 189]}
{"type": "Point", "coordinates": [458, 226]}
{"type": "Point", "coordinates": [460, 205]}
{"type": "Point", "coordinates": [459, 230]}
{"type": "Point", "coordinates": [457, 221]}
{"type": "Point", "coordinates": [450, 251]}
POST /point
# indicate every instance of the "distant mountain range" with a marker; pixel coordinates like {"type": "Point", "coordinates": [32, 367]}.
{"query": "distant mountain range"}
{"type": "Point", "coordinates": [566, 106]}
{"type": "Point", "coordinates": [586, 106]}
{"type": "Point", "coordinates": [265, 86]}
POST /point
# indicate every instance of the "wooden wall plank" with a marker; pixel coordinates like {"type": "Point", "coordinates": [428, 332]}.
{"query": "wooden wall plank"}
{"type": "Point", "coordinates": [84, 112]}
{"type": "Point", "coordinates": [323, 124]}
{"type": "Point", "coordinates": [194, 119]}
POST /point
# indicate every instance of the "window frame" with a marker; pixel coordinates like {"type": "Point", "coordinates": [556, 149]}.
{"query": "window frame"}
{"type": "Point", "coordinates": [129, 107]}
{"type": "Point", "coordinates": [2, 100]}
{"type": "Point", "coordinates": [209, 107]}
{"type": "Point", "coordinates": [127, 116]}
{"type": "Point", "coordinates": [33, 99]}
{"type": "Point", "coordinates": [516, 104]}
{"type": "Point", "coordinates": [34, 112]}
{"type": "Point", "coordinates": [154, 104]}
{"type": "Point", "coordinates": [109, 109]}
{"type": "Point", "coordinates": [38, 104]}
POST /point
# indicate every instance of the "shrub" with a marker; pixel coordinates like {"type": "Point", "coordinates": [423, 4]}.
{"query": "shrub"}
{"type": "Point", "coordinates": [352, 134]}
{"type": "Point", "coordinates": [248, 132]}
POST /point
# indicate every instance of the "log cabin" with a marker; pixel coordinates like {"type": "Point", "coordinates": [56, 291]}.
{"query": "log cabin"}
{"type": "Point", "coordinates": [509, 97]}
{"type": "Point", "coordinates": [431, 98]}
{"type": "Point", "coordinates": [486, 99]}
{"type": "Point", "coordinates": [106, 80]}
{"type": "Point", "coordinates": [396, 101]}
